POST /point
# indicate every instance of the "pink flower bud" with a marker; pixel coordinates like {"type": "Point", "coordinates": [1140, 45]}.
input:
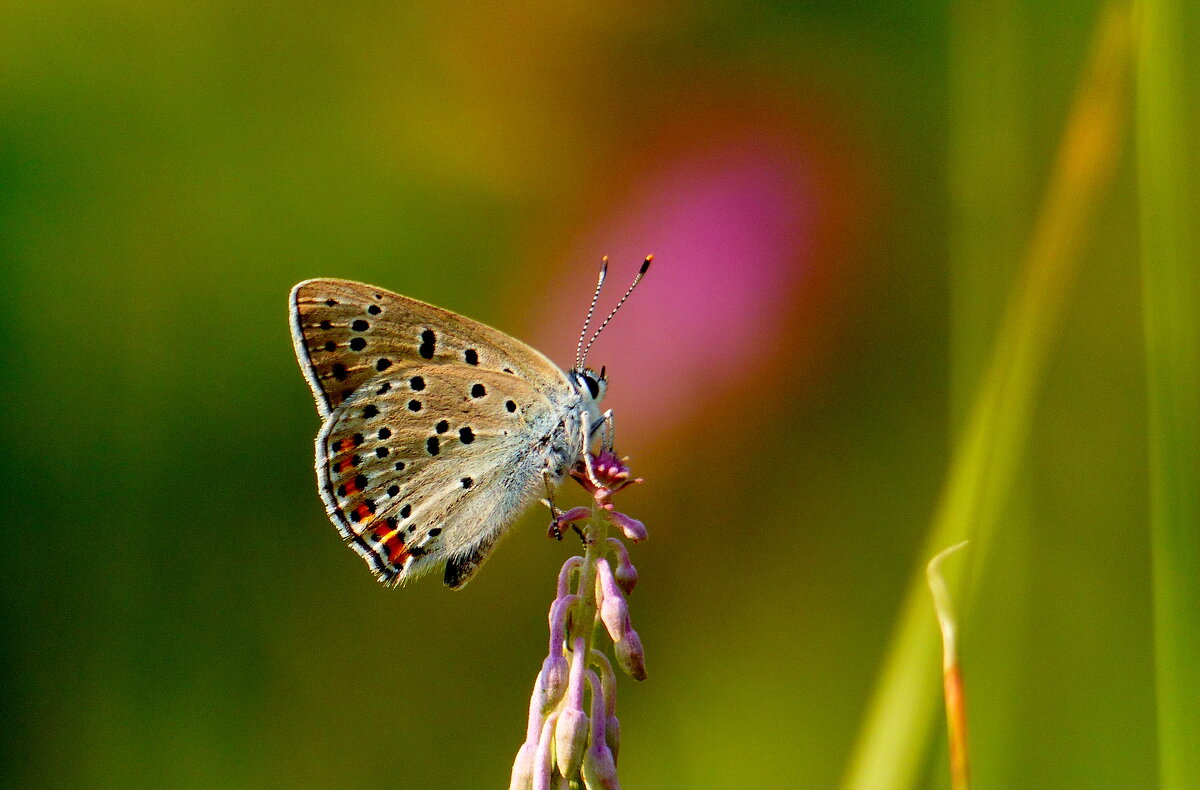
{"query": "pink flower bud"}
{"type": "Point", "coordinates": [630, 656]}
{"type": "Point", "coordinates": [599, 765]}
{"type": "Point", "coordinates": [570, 734]}
{"type": "Point", "coordinates": [533, 727]}
{"type": "Point", "coordinates": [522, 770]}
{"type": "Point", "coordinates": [562, 521]}
{"type": "Point", "coordinates": [625, 574]}
{"type": "Point", "coordinates": [630, 527]}
{"type": "Point", "coordinates": [541, 765]}
{"type": "Point", "coordinates": [612, 736]}
{"type": "Point", "coordinates": [600, 770]}
{"type": "Point", "coordinates": [570, 741]}
{"type": "Point", "coordinates": [614, 612]}
{"type": "Point", "coordinates": [551, 682]}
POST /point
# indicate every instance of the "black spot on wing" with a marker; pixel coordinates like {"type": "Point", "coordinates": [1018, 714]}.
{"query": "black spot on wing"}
{"type": "Point", "coordinates": [428, 343]}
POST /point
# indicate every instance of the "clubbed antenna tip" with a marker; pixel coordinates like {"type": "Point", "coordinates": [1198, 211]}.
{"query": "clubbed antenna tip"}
{"type": "Point", "coordinates": [582, 357]}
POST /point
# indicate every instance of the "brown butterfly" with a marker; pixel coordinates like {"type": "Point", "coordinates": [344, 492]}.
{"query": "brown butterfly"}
{"type": "Point", "coordinates": [438, 430]}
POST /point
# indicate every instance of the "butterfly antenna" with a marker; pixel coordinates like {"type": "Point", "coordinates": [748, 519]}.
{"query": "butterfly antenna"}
{"type": "Point", "coordinates": [637, 279]}
{"type": "Point", "coordinates": [591, 309]}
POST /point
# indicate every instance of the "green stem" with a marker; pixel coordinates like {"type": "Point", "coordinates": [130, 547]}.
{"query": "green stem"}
{"type": "Point", "coordinates": [595, 547]}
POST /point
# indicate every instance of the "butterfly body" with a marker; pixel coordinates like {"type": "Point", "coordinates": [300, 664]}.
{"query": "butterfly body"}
{"type": "Point", "coordinates": [438, 430]}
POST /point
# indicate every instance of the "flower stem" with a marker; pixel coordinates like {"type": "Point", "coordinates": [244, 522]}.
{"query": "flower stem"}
{"type": "Point", "coordinates": [595, 545]}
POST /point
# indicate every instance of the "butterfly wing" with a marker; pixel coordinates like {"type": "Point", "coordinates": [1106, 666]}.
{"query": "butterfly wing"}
{"type": "Point", "coordinates": [346, 333]}
{"type": "Point", "coordinates": [437, 428]}
{"type": "Point", "coordinates": [429, 465]}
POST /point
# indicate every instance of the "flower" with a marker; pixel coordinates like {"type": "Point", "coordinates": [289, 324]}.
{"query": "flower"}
{"type": "Point", "coordinates": [603, 474]}
{"type": "Point", "coordinates": [567, 741]}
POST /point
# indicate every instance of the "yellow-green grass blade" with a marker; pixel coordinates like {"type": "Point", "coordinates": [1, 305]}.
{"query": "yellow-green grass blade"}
{"type": "Point", "coordinates": [894, 738]}
{"type": "Point", "coordinates": [1167, 133]}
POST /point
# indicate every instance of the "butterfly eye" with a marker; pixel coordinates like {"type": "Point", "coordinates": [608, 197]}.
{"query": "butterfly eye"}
{"type": "Point", "coordinates": [593, 386]}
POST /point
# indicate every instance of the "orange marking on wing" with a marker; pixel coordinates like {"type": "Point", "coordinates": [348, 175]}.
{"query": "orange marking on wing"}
{"type": "Point", "coordinates": [391, 540]}
{"type": "Point", "coordinates": [344, 464]}
{"type": "Point", "coordinates": [397, 553]}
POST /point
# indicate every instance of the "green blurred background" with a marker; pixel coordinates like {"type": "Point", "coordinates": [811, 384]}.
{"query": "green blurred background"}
{"type": "Point", "coordinates": [838, 196]}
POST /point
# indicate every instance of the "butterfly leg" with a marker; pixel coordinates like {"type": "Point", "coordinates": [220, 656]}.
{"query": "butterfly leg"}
{"type": "Point", "coordinates": [588, 467]}
{"type": "Point", "coordinates": [607, 436]}
{"type": "Point", "coordinates": [555, 530]}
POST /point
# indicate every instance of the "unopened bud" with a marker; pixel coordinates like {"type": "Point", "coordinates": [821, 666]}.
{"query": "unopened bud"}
{"type": "Point", "coordinates": [522, 770]}
{"type": "Point", "coordinates": [551, 682]}
{"type": "Point", "coordinates": [600, 770]}
{"type": "Point", "coordinates": [612, 736]}
{"type": "Point", "coordinates": [542, 767]}
{"type": "Point", "coordinates": [599, 765]}
{"type": "Point", "coordinates": [570, 741]}
{"type": "Point", "coordinates": [625, 574]}
{"type": "Point", "coordinates": [563, 520]}
{"type": "Point", "coordinates": [614, 612]}
{"type": "Point", "coordinates": [570, 734]}
{"type": "Point", "coordinates": [630, 656]}
{"type": "Point", "coordinates": [631, 527]}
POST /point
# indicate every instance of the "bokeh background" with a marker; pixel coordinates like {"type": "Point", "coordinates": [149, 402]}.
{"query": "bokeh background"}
{"type": "Point", "coordinates": [839, 197]}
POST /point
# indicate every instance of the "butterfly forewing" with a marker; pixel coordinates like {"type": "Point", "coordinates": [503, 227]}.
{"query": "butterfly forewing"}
{"type": "Point", "coordinates": [346, 333]}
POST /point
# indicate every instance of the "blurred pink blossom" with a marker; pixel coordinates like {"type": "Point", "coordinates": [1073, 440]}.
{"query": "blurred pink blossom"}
{"type": "Point", "coordinates": [733, 227]}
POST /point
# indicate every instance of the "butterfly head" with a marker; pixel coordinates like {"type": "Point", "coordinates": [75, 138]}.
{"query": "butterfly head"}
{"type": "Point", "coordinates": [590, 385]}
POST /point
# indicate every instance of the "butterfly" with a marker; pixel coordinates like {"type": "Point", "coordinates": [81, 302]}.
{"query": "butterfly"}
{"type": "Point", "coordinates": [438, 431]}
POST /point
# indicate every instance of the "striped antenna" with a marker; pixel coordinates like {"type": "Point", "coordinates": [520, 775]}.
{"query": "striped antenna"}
{"type": "Point", "coordinates": [591, 309]}
{"type": "Point", "coordinates": [637, 279]}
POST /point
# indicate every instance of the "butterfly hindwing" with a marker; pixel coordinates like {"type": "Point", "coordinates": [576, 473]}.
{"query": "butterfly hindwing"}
{"type": "Point", "coordinates": [428, 463]}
